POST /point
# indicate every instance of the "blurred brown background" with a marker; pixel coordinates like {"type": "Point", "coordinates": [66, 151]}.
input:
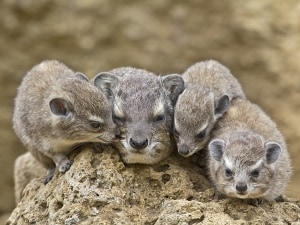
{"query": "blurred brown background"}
{"type": "Point", "coordinates": [258, 40]}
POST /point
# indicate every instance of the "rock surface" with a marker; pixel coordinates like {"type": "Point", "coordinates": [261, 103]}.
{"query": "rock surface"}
{"type": "Point", "coordinates": [100, 189]}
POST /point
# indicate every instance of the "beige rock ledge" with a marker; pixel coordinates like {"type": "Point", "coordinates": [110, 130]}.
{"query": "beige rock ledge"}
{"type": "Point", "coordinates": [100, 189]}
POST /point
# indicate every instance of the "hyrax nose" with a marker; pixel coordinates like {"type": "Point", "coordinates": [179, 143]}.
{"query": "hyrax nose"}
{"type": "Point", "coordinates": [241, 187]}
{"type": "Point", "coordinates": [183, 150]}
{"type": "Point", "coordinates": [138, 144]}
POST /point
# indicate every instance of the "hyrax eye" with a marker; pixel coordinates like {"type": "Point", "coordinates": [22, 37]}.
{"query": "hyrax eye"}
{"type": "Point", "coordinates": [201, 134]}
{"type": "Point", "coordinates": [95, 124]}
{"type": "Point", "coordinates": [118, 120]}
{"type": "Point", "coordinates": [228, 172]}
{"type": "Point", "coordinates": [159, 118]}
{"type": "Point", "coordinates": [254, 173]}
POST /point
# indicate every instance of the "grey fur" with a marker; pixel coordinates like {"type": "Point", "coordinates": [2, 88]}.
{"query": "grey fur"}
{"type": "Point", "coordinates": [55, 110]}
{"type": "Point", "coordinates": [209, 89]}
{"type": "Point", "coordinates": [253, 146]}
{"type": "Point", "coordinates": [26, 168]}
{"type": "Point", "coordinates": [143, 109]}
{"type": "Point", "coordinates": [81, 76]}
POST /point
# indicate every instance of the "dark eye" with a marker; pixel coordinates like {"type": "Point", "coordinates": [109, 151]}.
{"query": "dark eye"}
{"type": "Point", "coordinates": [201, 135]}
{"type": "Point", "coordinates": [160, 118]}
{"type": "Point", "coordinates": [118, 120]}
{"type": "Point", "coordinates": [228, 172]}
{"type": "Point", "coordinates": [95, 124]}
{"type": "Point", "coordinates": [254, 173]}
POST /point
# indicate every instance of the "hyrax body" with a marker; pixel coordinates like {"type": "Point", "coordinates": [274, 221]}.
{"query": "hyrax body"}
{"type": "Point", "coordinates": [57, 110]}
{"type": "Point", "coordinates": [26, 168]}
{"type": "Point", "coordinates": [209, 89]}
{"type": "Point", "coordinates": [143, 110]}
{"type": "Point", "coordinates": [248, 155]}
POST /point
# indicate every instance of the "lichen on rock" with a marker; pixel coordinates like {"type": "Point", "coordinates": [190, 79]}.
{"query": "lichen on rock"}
{"type": "Point", "coordinates": [100, 189]}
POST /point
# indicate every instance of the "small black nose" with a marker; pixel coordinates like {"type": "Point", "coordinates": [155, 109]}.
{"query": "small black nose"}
{"type": "Point", "coordinates": [241, 187]}
{"type": "Point", "coordinates": [138, 144]}
{"type": "Point", "coordinates": [183, 150]}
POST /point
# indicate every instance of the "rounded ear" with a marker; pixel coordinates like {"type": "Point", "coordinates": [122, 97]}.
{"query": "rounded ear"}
{"type": "Point", "coordinates": [272, 151]}
{"type": "Point", "coordinates": [221, 105]}
{"type": "Point", "coordinates": [216, 148]}
{"type": "Point", "coordinates": [81, 76]}
{"type": "Point", "coordinates": [173, 85]}
{"type": "Point", "coordinates": [106, 82]}
{"type": "Point", "coordinates": [60, 106]}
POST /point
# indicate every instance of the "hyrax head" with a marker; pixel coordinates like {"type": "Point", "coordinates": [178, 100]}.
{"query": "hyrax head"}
{"type": "Point", "coordinates": [244, 166]}
{"type": "Point", "coordinates": [142, 108]}
{"type": "Point", "coordinates": [82, 112]}
{"type": "Point", "coordinates": [196, 111]}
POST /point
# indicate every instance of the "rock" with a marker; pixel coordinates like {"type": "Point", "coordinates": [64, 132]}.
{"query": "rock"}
{"type": "Point", "coordinates": [227, 212]}
{"type": "Point", "coordinates": [99, 187]}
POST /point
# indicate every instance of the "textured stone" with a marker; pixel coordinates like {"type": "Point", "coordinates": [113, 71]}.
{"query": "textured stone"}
{"type": "Point", "coordinates": [100, 189]}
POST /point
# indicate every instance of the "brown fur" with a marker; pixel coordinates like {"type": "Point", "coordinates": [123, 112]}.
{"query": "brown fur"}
{"type": "Point", "coordinates": [26, 168]}
{"type": "Point", "coordinates": [248, 154]}
{"type": "Point", "coordinates": [209, 89]}
{"type": "Point", "coordinates": [56, 110]}
{"type": "Point", "coordinates": [143, 109]}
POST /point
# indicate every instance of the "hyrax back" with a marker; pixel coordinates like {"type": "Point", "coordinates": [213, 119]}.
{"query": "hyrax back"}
{"type": "Point", "coordinates": [143, 109]}
{"type": "Point", "coordinates": [56, 110]}
{"type": "Point", "coordinates": [26, 168]}
{"type": "Point", "coordinates": [209, 89]}
{"type": "Point", "coordinates": [248, 155]}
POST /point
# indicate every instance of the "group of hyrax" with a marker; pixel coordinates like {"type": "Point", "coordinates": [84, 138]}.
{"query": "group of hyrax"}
{"type": "Point", "coordinates": [141, 114]}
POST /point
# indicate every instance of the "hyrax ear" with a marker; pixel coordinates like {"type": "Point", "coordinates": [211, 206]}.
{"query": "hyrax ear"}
{"type": "Point", "coordinates": [173, 85]}
{"type": "Point", "coordinates": [106, 82]}
{"type": "Point", "coordinates": [221, 105]}
{"type": "Point", "coordinates": [272, 151]}
{"type": "Point", "coordinates": [216, 148]}
{"type": "Point", "coordinates": [60, 106]}
{"type": "Point", "coordinates": [81, 76]}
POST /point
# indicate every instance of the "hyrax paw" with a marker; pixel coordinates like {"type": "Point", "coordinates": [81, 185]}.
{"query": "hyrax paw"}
{"type": "Point", "coordinates": [98, 147]}
{"type": "Point", "coordinates": [65, 166]}
{"type": "Point", "coordinates": [48, 178]}
{"type": "Point", "coordinates": [50, 174]}
{"type": "Point", "coordinates": [218, 196]}
{"type": "Point", "coordinates": [279, 199]}
{"type": "Point", "coordinates": [255, 202]}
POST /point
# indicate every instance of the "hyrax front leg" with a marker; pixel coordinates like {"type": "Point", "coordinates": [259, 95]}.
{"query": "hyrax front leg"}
{"type": "Point", "coordinates": [60, 107]}
{"type": "Point", "coordinates": [50, 174]}
{"type": "Point", "coordinates": [62, 162]}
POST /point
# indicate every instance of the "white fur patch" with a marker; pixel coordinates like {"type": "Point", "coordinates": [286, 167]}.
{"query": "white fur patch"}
{"type": "Point", "coordinates": [257, 165]}
{"type": "Point", "coordinates": [228, 163]}
{"type": "Point", "coordinates": [176, 124]}
{"type": "Point", "coordinates": [159, 108]}
{"type": "Point", "coordinates": [125, 144]}
{"type": "Point", "coordinates": [117, 110]}
{"type": "Point", "coordinates": [203, 127]}
{"type": "Point", "coordinates": [96, 118]}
